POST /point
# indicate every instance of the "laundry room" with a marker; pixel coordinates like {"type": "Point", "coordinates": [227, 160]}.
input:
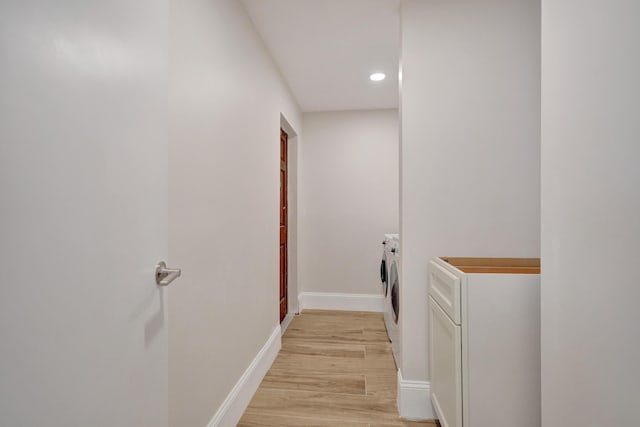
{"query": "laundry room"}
{"type": "Point", "coordinates": [348, 199]}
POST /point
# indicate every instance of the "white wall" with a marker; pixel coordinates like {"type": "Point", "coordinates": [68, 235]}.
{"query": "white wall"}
{"type": "Point", "coordinates": [348, 198]}
{"type": "Point", "coordinates": [590, 213]}
{"type": "Point", "coordinates": [83, 218]}
{"type": "Point", "coordinates": [226, 98]}
{"type": "Point", "coordinates": [470, 103]}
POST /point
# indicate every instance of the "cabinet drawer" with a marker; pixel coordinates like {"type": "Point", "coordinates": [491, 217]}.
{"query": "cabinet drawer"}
{"type": "Point", "coordinates": [444, 288]}
{"type": "Point", "coordinates": [445, 366]}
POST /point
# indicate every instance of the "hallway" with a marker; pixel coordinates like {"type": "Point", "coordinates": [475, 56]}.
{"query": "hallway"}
{"type": "Point", "coordinates": [334, 368]}
{"type": "Point", "coordinates": [139, 135]}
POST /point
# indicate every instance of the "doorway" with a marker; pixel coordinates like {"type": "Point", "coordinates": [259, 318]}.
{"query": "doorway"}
{"type": "Point", "coordinates": [283, 225]}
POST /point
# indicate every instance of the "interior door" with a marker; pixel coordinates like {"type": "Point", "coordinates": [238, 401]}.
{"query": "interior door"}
{"type": "Point", "coordinates": [83, 190]}
{"type": "Point", "coordinates": [283, 224]}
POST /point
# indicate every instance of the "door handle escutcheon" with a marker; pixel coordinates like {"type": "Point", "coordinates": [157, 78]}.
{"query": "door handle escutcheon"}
{"type": "Point", "coordinates": [164, 275]}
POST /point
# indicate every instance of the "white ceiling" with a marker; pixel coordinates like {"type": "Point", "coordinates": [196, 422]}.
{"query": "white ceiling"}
{"type": "Point", "coordinates": [326, 49]}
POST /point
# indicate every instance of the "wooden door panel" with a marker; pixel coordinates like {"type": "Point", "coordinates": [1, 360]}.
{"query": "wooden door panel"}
{"type": "Point", "coordinates": [283, 225]}
{"type": "Point", "coordinates": [283, 265]}
{"type": "Point", "coordinates": [283, 198]}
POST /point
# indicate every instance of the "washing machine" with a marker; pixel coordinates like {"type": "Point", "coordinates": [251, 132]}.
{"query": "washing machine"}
{"type": "Point", "coordinates": [392, 310]}
{"type": "Point", "coordinates": [385, 265]}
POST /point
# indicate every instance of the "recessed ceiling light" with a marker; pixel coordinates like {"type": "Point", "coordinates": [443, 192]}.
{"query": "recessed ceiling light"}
{"type": "Point", "coordinates": [376, 77]}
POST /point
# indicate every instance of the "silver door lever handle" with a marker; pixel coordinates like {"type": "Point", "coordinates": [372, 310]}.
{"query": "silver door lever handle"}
{"type": "Point", "coordinates": [165, 275]}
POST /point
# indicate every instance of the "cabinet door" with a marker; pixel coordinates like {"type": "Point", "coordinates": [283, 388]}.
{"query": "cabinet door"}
{"type": "Point", "coordinates": [445, 366]}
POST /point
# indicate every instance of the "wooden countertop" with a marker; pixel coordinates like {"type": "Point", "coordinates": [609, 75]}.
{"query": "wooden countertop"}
{"type": "Point", "coordinates": [495, 265]}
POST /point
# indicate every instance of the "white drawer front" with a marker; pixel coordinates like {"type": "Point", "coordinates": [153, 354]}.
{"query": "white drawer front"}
{"type": "Point", "coordinates": [444, 287]}
{"type": "Point", "coordinates": [445, 366]}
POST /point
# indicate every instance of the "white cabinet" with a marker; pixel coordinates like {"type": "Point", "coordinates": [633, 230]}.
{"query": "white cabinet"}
{"type": "Point", "coordinates": [445, 366]}
{"type": "Point", "coordinates": [484, 341]}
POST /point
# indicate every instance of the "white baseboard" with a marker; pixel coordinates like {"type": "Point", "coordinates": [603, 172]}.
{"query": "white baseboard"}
{"type": "Point", "coordinates": [338, 301]}
{"type": "Point", "coordinates": [238, 399]}
{"type": "Point", "coordinates": [285, 322]}
{"type": "Point", "coordinates": [414, 399]}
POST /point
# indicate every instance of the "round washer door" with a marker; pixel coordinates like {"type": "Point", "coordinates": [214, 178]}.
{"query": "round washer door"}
{"type": "Point", "coordinates": [384, 275]}
{"type": "Point", "coordinates": [394, 283]}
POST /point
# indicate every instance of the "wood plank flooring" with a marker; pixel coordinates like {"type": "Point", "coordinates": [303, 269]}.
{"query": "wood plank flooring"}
{"type": "Point", "coordinates": [335, 368]}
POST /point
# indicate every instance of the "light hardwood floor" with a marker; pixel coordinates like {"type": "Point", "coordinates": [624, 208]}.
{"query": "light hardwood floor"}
{"type": "Point", "coordinates": [335, 368]}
